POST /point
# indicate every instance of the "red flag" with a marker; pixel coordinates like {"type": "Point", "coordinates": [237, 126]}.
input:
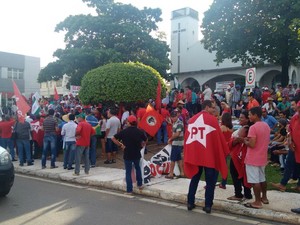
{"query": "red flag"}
{"type": "Point", "coordinates": [158, 96]}
{"type": "Point", "coordinates": [204, 145]}
{"type": "Point", "coordinates": [151, 121]}
{"type": "Point", "coordinates": [23, 107]}
{"type": "Point", "coordinates": [56, 97]}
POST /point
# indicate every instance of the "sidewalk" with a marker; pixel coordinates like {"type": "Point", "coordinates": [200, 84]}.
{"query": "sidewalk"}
{"type": "Point", "coordinates": [172, 190]}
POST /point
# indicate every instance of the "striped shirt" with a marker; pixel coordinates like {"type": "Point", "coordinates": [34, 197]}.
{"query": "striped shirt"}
{"type": "Point", "coordinates": [50, 125]}
{"type": "Point", "coordinates": [178, 127]}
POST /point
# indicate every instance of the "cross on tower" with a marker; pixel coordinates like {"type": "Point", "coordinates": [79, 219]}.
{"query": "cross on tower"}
{"type": "Point", "coordinates": [178, 48]}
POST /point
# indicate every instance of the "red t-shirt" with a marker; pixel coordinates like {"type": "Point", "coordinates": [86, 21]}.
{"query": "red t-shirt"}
{"type": "Point", "coordinates": [295, 134]}
{"type": "Point", "coordinates": [165, 113]}
{"type": "Point", "coordinates": [188, 96]}
{"type": "Point", "coordinates": [6, 128]}
{"type": "Point", "coordinates": [140, 113]}
{"type": "Point", "coordinates": [84, 131]}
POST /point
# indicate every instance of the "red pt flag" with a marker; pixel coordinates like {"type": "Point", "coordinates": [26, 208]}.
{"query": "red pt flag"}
{"type": "Point", "coordinates": [151, 121]}
{"type": "Point", "coordinates": [204, 145]}
{"type": "Point", "coordinates": [22, 105]}
{"type": "Point", "coordinates": [56, 97]}
{"type": "Point", "coordinates": [158, 96]}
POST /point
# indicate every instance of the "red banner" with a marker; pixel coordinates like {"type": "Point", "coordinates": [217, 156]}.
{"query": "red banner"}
{"type": "Point", "coordinates": [158, 96]}
{"type": "Point", "coordinates": [23, 107]}
{"type": "Point", "coordinates": [151, 121]}
{"type": "Point", "coordinates": [56, 97]}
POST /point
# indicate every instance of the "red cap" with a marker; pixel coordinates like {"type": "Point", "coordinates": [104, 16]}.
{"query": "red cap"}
{"type": "Point", "coordinates": [131, 119]}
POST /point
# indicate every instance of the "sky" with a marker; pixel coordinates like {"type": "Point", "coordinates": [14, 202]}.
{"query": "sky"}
{"type": "Point", "coordinates": [27, 26]}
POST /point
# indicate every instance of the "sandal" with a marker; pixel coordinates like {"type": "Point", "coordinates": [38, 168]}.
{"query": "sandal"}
{"type": "Point", "coordinates": [234, 198]}
{"type": "Point", "coordinates": [266, 202]}
{"type": "Point", "coordinates": [249, 205]}
{"type": "Point", "coordinates": [169, 177]}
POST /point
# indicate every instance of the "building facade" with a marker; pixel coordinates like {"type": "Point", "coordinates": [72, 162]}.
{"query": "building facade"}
{"type": "Point", "coordinates": [47, 88]}
{"type": "Point", "coordinates": [195, 66]}
{"type": "Point", "coordinates": [22, 69]}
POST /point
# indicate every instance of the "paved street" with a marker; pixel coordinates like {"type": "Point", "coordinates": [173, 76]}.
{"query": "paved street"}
{"type": "Point", "coordinates": [37, 201]}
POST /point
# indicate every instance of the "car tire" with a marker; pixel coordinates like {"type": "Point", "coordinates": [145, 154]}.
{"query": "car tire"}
{"type": "Point", "coordinates": [4, 193]}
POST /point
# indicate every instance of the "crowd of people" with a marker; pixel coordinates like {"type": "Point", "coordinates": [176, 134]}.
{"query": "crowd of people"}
{"type": "Point", "coordinates": [267, 133]}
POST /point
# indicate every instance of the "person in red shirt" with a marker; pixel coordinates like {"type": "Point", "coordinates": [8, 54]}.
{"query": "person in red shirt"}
{"type": "Point", "coordinates": [265, 95]}
{"type": "Point", "coordinates": [163, 132]}
{"type": "Point", "coordinates": [6, 132]}
{"type": "Point", "coordinates": [252, 101]}
{"type": "Point", "coordinates": [140, 112]}
{"type": "Point", "coordinates": [295, 140]}
{"type": "Point", "coordinates": [188, 97]}
{"type": "Point", "coordinates": [84, 131]}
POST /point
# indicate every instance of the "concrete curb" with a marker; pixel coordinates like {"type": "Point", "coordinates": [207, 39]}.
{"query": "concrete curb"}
{"type": "Point", "coordinates": [114, 179]}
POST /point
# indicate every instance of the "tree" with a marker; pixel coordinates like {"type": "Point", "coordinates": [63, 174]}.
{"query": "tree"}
{"type": "Point", "coordinates": [118, 33]}
{"type": "Point", "coordinates": [120, 83]}
{"type": "Point", "coordinates": [254, 32]}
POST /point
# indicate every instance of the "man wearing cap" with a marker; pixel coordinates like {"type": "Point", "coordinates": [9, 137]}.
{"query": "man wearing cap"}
{"type": "Point", "coordinates": [131, 141]}
{"type": "Point", "coordinates": [284, 106]}
{"type": "Point", "coordinates": [265, 95]}
{"type": "Point", "coordinates": [270, 106]}
{"type": "Point", "coordinates": [69, 133]}
{"type": "Point", "coordinates": [91, 119]}
{"type": "Point", "coordinates": [84, 131]}
{"type": "Point", "coordinates": [184, 114]}
{"type": "Point", "coordinates": [177, 145]}
{"type": "Point", "coordinates": [252, 102]}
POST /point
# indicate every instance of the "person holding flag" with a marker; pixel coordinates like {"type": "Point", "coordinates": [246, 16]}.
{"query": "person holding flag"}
{"type": "Point", "coordinates": [205, 149]}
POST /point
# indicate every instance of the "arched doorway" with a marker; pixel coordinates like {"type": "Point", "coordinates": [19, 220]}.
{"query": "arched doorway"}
{"type": "Point", "coordinates": [193, 83]}
{"type": "Point", "coordinates": [270, 79]}
{"type": "Point", "coordinates": [238, 79]}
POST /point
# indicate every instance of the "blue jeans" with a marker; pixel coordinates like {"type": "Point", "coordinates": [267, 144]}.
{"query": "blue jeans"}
{"type": "Point", "coordinates": [69, 152]}
{"type": "Point", "coordinates": [210, 179]}
{"type": "Point", "coordinates": [24, 145]}
{"type": "Point", "coordinates": [8, 142]}
{"type": "Point", "coordinates": [49, 141]}
{"type": "Point", "coordinates": [290, 168]}
{"type": "Point", "coordinates": [93, 146]}
{"type": "Point", "coordinates": [78, 154]}
{"type": "Point", "coordinates": [162, 131]}
{"type": "Point", "coordinates": [128, 169]}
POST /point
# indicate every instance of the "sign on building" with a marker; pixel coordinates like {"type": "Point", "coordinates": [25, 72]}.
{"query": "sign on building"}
{"type": "Point", "coordinates": [250, 77]}
{"type": "Point", "coordinates": [74, 89]}
{"type": "Point", "coordinates": [222, 86]}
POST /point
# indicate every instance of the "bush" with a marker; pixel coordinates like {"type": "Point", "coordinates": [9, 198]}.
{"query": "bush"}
{"type": "Point", "coordinates": [120, 83]}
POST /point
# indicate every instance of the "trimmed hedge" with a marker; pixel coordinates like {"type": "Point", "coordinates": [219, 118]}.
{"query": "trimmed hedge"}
{"type": "Point", "coordinates": [120, 83]}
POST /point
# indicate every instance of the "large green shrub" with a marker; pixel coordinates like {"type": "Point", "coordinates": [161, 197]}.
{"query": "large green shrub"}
{"type": "Point", "coordinates": [120, 83]}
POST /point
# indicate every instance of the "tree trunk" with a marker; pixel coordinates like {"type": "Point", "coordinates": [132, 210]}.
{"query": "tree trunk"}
{"type": "Point", "coordinates": [285, 71]}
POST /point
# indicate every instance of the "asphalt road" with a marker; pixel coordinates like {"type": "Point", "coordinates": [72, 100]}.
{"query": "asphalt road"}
{"type": "Point", "coordinates": [38, 201]}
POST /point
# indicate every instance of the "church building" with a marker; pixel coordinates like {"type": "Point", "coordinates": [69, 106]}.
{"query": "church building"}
{"type": "Point", "coordinates": [195, 66]}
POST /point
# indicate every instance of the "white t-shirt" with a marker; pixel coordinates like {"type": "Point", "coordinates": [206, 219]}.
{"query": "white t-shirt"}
{"type": "Point", "coordinates": [113, 124]}
{"type": "Point", "coordinates": [207, 94]}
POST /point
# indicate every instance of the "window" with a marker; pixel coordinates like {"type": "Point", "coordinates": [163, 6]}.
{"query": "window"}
{"type": "Point", "coordinates": [9, 73]}
{"type": "Point", "coordinates": [15, 74]}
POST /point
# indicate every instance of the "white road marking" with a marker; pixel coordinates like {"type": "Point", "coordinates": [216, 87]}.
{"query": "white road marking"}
{"type": "Point", "coordinates": [160, 202]}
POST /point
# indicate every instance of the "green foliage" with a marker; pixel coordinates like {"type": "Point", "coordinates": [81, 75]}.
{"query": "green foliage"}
{"type": "Point", "coordinates": [254, 32]}
{"type": "Point", "coordinates": [120, 83]}
{"type": "Point", "coordinates": [118, 33]}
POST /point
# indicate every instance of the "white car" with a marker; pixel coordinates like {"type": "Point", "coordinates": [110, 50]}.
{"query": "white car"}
{"type": "Point", "coordinates": [7, 172]}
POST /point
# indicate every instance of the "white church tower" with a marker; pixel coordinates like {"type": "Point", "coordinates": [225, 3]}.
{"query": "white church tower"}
{"type": "Point", "coordinates": [184, 34]}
